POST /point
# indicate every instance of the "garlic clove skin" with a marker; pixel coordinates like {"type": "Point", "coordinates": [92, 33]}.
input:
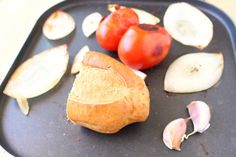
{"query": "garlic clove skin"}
{"type": "Point", "coordinates": [174, 133]}
{"type": "Point", "coordinates": [200, 115]}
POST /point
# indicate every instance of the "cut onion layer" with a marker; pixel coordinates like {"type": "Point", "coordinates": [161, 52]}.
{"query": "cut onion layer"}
{"type": "Point", "coordinates": [188, 25]}
{"type": "Point", "coordinates": [58, 25]}
{"type": "Point", "coordinates": [144, 16]}
{"type": "Point", "coordinates": [194, 72]}
{"type": "Point", "coordinates": [90, 23]}
{"type": "Point", "coordinates": [37, 75]}
{"type": "Point", "coordinates": [200, 115]}
{"type": "Point", "coordinates": [139, 73]}
{"type": "Point", "coordinates": [174, 133]}
{"type": "Point", "coordinates": [78, 59]}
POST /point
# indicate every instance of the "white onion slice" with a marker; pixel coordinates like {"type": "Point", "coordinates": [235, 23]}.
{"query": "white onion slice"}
{"type": "Point", "coordinates": [58, 25]}
{"type": "Point", "coordinates": [144, 16]}
{"type": "Point", "coordinates": [194, 72]}
{"type": "Point", "coordinates": [78, 59]}
{"type": "Point", "coordinates": [200, 115]}
{"type": "Point", "coordinates": [174, 133]}
{"type": "Point", "coordinates": [188, 25]}
{"type": "Point", "coordinates": [37, 75]}
{"type": "Point", "coordinates": [90, 23]}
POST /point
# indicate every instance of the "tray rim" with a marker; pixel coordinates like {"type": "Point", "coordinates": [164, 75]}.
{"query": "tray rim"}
{"type": "Point", "coordinates": [214, 11]}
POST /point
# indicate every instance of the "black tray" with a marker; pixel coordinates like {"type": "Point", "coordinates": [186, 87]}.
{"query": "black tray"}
{"type": "Point", "coordinates": [47, 133]}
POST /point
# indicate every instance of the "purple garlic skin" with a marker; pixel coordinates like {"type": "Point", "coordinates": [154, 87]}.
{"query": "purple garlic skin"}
{"type": "Point", "coordinates": [174, 133]}
{"type": "Point", "coordinates": [200, 115]}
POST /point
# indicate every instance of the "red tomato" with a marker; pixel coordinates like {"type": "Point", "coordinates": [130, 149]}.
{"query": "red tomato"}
{"type": "Point", "coordinates": [112, 28]}
{"type": "Point", "coordinates": [144, 46]}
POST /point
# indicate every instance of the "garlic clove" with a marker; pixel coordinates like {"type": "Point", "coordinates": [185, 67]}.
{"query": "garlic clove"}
{"type": "Point", "coordinates": [174, 133]}
{"type": "Point", "coordinates": [200, 114]}
{"type": "Point", "coordinates": [90, 23]}
{"type": "Point", "coordinates": [78, 59]}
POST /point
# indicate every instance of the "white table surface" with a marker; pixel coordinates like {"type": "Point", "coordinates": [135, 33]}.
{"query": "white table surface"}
{"type": "Point", "coordinates": [19, 16]}
{"type": "Point", "coordinates": [17, 20]}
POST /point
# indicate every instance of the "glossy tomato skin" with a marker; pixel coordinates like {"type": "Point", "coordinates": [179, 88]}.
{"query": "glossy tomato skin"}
{"type": "Point", "coordinates": [112, 28]}
{"type": "Point", "coordinates": [144, 46]}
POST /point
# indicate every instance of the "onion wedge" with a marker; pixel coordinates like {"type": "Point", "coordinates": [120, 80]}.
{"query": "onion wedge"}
{"type": "Point", "coordinates": [144, 16]}
{"type": "Point", "coordinates": [90, 23]}
{"type": "Point", "coordinates": [188, 25]}
{"type": "Point", "coordinates": [194, 72]}
{"type": "Point", "coordinates": [37, 75]}
{"type": "Point", "coordinates": [78, 59]}
{"type": "Point", "coordinates": [58, 25]}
